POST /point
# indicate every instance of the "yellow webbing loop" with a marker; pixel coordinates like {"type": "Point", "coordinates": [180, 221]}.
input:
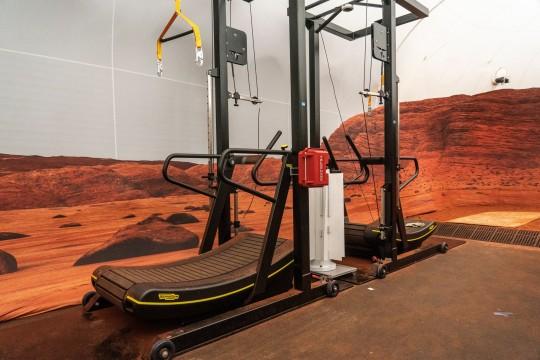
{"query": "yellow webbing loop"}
{"type": "Point", "coordinates": [194, 27]}
{"type": "Point", "coordinates": [196, 32]}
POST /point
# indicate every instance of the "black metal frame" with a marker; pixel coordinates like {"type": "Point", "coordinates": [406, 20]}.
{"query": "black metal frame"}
{"type": "Point", "coordinates": [221, 96]}
{"type": "Point", "coordinates": [416, 11]}
{"type": "Point", "coordinates": [197, 334]}
{"type": "Point", "coordinates": [392, 220]}
{"type": "Point", "coordinates": [305, 291]}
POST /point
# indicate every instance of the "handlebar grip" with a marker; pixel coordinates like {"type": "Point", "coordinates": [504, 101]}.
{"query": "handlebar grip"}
{"type": "Point", "coordinates": [167, 163]}
{"type": "Point", "coordinates": [223, 163]}
{"type": "Point", "coordinates": [416, 171]}
{"type": "Point", "coordinates": [255, 169]}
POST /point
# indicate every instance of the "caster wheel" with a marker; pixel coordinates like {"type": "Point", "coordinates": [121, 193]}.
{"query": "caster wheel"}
{"type": "Point", "coordinates": [332, 289]}
{"type": "Point", "coordinates": [443, 248]}
{"type": "Point", "coordinates": [86, 297]}
{"type": "Point", "coordinates": [381, 272]}
{"type": "Point", "coordinates": [162, 350]}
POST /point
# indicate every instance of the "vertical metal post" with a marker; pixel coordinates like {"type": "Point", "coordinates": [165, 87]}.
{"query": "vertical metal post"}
{"type": "Point", "coordinates": [210, 125]}
{"type": "Point", "coordinates": [391, 131]}
{"type": "Point", "coordinates": [272, 230]}
{"type": "Point", "coordinates": [219, 18]}
{"type": "Point", "coordinates": [297, 46]}
{"type": "Point", "coordinates": [314, 88]}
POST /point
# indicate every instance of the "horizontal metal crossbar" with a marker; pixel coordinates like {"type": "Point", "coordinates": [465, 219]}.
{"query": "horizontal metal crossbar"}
{"type": "Point", "coordinates": [416, 11]}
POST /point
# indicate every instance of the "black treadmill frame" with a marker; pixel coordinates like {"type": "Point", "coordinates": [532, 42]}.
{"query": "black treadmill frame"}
{"type": "Point", "coordinates": [305, 290]}
{"type": "Point", "coordinates": [392, 215]}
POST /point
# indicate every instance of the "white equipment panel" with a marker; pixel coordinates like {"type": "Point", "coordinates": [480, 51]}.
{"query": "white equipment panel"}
{"type": "Point", "coordinates": [326, 224]}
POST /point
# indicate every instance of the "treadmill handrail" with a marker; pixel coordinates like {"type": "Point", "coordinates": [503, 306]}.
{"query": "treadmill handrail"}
{"type": "Point", "coordinates": [334, 164]}
{"type": "Point", "coordinates": [363, 166]}
{"type": "Point", "coordinates": [225, 156]}
{"type": "Point", "coordinates": [167, 162]}
{"type": "Point", "coordinates": [255, 169]}
{"type": "Point", "coordinates": [416, 171]}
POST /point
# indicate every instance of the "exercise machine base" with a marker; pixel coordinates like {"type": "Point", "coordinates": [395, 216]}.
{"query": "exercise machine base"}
{"type": "Point", "coordinates": [194, 335]}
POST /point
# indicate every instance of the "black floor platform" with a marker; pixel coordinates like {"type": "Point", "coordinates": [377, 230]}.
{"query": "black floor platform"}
{"type": "Point", "coordinates": [452, 316]}
{"type": "Point", "coordinates": [210, 282]}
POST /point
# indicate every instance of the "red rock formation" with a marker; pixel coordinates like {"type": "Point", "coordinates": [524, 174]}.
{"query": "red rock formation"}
{"type": "Point", "coordinates": [19, 163]}
{"type": "Point", "coordinates": [480, 149]}
{"type": "Point", "coordinates": [150, 236]}
{"type": "Point", "coordinates": [181, 218]}
{"type": "Point", "coordinates": [11, 236]}
{"type": "Point", "coordinates": [8, 263]}
{"type": "Point", "coordinates": [77, 185]}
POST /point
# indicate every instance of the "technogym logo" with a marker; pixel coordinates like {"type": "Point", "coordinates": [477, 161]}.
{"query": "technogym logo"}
{"type": "Point", "coordinates": [168, 296]}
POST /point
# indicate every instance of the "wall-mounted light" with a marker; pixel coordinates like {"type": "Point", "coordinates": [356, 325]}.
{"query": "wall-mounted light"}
{"type": "Point", "coordinates": [500, 77]}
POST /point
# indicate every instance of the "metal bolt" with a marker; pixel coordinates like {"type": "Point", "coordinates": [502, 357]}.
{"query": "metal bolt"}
{"type": "Point", "coordinates": [164, 353]}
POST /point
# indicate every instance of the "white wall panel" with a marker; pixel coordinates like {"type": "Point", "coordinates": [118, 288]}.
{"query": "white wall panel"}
{"type": "Point", "coordinates": [48, 103]}
{"type": "Point", "coordinates": [73, 29]}
{"type": "Point", "coordinates": [273, 117]}
{"type": "Point", "coordinates": [156, 117]}
{"type": "Point", "coordinates": [48, 107]}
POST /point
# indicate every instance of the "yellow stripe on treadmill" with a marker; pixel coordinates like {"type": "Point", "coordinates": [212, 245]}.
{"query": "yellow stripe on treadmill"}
{"type": "Point", "coordinates": [133, 300]}
{"type": "Point", "coordinates": [433, 227]}
{"type": "Point", "coordinates": [424, 235]}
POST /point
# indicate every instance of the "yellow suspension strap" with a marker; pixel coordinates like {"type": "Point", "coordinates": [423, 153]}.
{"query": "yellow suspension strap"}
{"type": "Point", "coordinates": [381, 87]}
{"type": "Point", "coordinates": [199, 58]}
{"type": "Point", "coordinates": [380, 93]}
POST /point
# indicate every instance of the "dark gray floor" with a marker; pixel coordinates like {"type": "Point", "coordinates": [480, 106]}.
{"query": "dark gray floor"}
{"type": "Point", "coordinates": [441, 308]}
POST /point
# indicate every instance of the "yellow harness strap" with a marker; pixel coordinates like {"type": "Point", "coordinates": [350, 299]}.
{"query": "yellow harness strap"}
{"type": "Point", "coordinates": [196, 32]}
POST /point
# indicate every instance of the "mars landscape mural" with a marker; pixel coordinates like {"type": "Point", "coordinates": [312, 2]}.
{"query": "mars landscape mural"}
{"type": "Point", "coordinates": [60, 217]}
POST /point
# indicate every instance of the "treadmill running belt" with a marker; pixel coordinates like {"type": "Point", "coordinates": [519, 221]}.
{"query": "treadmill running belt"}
{"type": "Point", "coordinates": [215, 280]}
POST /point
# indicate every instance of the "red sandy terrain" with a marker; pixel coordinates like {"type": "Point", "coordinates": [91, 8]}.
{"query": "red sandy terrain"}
{"type": "Point", "coordinates": [477, 153]}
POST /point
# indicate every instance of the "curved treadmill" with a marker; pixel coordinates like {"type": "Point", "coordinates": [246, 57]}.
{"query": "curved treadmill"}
{"type": "Point", "coordinates": [245, 268]}
{"type": "Point", "coordinates": [364, 239]}
{"type": "Point", "coordinates": [211, 282]}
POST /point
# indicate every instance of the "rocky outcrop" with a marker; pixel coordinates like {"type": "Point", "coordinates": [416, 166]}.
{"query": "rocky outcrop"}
{"type": "Point", "coordinates": [150, 236]}
{"type": "Point", "coordinates": [8, 263]}
{"type": "Point", "coordinates": [181, 218]}
{"type": "Point", "coordinates": [74, 185]}
{"type": "Point", "coordinates": [479, 149]}
{"type": "Point", "coordinates": [11, 236]}
{"type": "Point", "coordinates": [70, 225]}
{"type": "Point", "coordinates": [197, 208]}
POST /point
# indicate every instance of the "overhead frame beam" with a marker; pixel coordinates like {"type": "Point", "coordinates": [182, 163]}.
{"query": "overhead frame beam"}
{"type": "Point", "coordinates": [414, 7]}
{"type": "Point", "coordinates": [221, 96]}
{"type": "Point", "coordinates": [400, 20]}
{"type": "Point", "coordinates": [417, 11]}
{"type": "Point", "coordinates": [353, 2]}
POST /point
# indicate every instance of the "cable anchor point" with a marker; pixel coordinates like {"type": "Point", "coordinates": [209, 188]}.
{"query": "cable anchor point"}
{"type": "Point", "coordinates": [199, 56]}
{"type": "Point", "coordinates": [159, 68]}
